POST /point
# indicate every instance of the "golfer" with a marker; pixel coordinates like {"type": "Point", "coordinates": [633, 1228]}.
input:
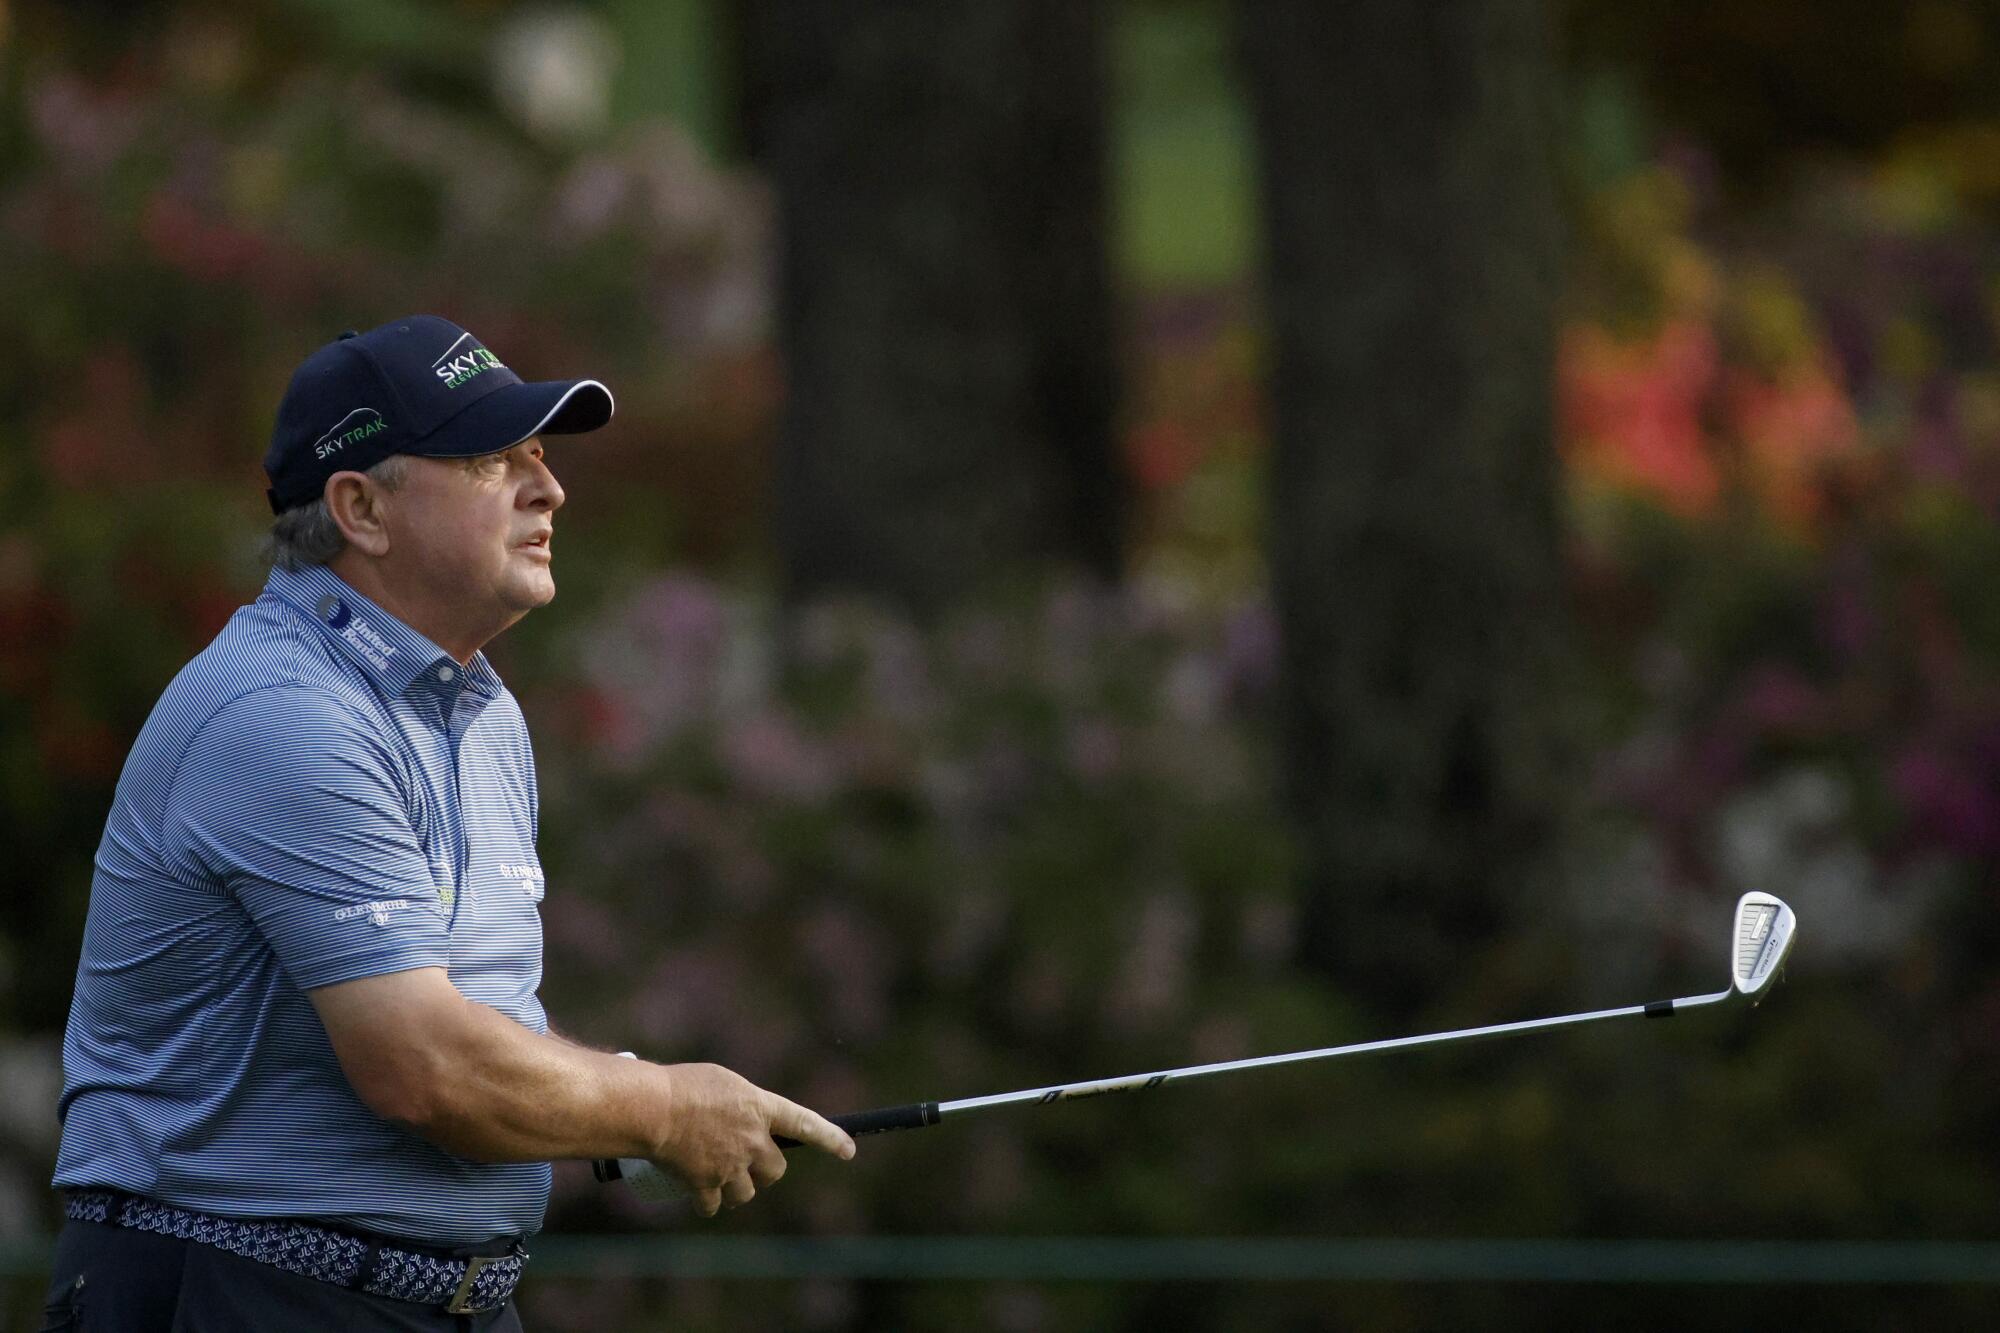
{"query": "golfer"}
{"type": "Point", "coordinates": [307, 1083]}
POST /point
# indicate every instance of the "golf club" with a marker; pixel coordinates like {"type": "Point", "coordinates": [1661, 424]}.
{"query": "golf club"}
{"type": "Point", "coordinates": [1762, 937]}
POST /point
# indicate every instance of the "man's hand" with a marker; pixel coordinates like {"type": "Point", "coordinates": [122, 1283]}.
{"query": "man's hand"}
{"type": "Point", "coordinates": [719, 1132]}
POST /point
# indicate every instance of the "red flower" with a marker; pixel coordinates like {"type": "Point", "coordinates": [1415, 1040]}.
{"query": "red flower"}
{"type": "Point", "coordinates": [1631, 413]}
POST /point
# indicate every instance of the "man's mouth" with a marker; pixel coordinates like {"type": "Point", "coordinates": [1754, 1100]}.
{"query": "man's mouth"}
{"type": "Point", "coordinates": [538, 542]}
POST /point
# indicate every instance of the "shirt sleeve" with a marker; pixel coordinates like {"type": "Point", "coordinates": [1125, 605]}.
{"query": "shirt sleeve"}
{"type": "Point", "coordinates": [296, 805]}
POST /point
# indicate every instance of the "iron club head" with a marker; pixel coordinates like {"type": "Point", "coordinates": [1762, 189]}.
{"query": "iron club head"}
{"type": "Point", "coordinates": [1763, 936]}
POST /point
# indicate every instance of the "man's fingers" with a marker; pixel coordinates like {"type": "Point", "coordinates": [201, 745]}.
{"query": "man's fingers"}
{"type": "Point", "coordinates": [739, 1191]}
{"type": "Point", "coordinates": [708, 1202]}
{"type": "Point", "coordinates": [810, 1127]}
{"type": "Point", "coordinates": [768, 1167]}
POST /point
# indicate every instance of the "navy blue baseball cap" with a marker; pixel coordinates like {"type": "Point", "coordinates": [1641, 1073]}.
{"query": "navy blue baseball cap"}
{"type": "Point", "coordinates": [422, 386]}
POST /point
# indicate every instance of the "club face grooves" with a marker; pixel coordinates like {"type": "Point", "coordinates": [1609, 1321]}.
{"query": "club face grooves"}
{"type": "Point", "coordinates": [1763, 936]}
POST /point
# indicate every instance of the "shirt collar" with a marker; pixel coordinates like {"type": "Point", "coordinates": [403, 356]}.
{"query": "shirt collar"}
{"type": "Point", "coordinates": [392, 654]}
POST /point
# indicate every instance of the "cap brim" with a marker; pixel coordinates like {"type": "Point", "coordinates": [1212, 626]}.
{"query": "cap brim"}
{"type": "Point", "coordinates": [505, 417]}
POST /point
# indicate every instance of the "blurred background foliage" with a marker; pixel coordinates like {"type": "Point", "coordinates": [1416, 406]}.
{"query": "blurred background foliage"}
{"type": "Point", "coordinates": [865, 855]}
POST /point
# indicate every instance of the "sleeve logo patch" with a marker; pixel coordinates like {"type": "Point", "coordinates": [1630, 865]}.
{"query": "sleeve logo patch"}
{"type": "Point", "coordinates": [377, 912]}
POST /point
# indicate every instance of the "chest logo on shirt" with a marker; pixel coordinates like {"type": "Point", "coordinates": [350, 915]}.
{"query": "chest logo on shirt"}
{"type": "Point", "coordinates": [377, 912]}
{"type": "Point", "coordinates": [527, 876]}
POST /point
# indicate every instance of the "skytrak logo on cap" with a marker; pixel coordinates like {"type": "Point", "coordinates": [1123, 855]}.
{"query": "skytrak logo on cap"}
{"type": "Point", "coordinates": [419, 385]}
{"type": "Point", "coordinates": [356, 426]}
{"type": "Point", "coordinates": [456, 370]}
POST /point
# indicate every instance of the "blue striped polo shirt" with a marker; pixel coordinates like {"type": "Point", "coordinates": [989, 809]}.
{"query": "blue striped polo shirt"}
{"type": "Point", "coordinates": [322, 794]}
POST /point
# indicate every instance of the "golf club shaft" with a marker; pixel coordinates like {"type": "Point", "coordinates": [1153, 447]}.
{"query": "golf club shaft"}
{"type": "Point", "coordinates": [1764, 933]}
{"type": "Point", "coordinates": [916, 1115]}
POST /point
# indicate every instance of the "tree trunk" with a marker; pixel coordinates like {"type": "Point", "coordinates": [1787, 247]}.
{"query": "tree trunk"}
{"type": "Point", "coordinates": [945, 307]}
{"type": "Point", "coordinates": [1412, 240]}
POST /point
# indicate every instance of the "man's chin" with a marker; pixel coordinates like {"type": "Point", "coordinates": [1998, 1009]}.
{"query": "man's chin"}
{"type": "Point", "coordinates": [527, 594]}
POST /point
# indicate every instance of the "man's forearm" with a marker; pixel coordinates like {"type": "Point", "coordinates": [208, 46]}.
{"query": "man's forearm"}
{"type": "Point", "coordinates": [506, 1094]}
{"type": "Point", "coordinates": [476, 1083]}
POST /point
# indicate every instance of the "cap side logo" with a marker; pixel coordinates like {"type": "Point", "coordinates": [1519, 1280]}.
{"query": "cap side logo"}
{"type": "Point", "coordinates": [355, 426]}
{"type": "Point", "coordinates": [455, 368]}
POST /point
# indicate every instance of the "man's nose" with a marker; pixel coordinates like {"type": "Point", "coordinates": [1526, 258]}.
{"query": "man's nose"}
{"type": "Point", "coordinates": [543, 490]}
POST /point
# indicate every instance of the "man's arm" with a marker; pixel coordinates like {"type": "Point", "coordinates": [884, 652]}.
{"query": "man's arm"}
{"type": "Point", "coordinates": [476, 1083]}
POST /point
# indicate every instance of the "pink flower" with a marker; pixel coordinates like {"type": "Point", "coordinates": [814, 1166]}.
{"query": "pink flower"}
{"type": "Point", "coordinates": [206, 249]}
{"type": "Point", "coordinates": [81, 126]}
{"type": "Point", "coordinates": [101, 438]}
{"type": "Point", "coordinates": [768, 755]}
{"type": "Point", "coordinates": [1777, 698]}
{"type": "Point", "coordinates": [658, 664]}
{"type": "Point", "coordinates": [1094, 749]}
{"type": "Point", "coordinates": [854, 964]}
{"type": "Point", "coordinates": [1947, 801]}
{"type": "Point", "coordinates": [1153, 982]}
{"type": "Point", "coordinates": [1250, 648]}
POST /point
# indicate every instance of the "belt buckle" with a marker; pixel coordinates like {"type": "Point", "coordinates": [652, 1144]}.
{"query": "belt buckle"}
{"type": "Point", "coordinates": [459, 1298]}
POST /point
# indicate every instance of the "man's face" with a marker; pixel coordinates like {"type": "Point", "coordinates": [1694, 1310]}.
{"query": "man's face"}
{"type": "Point", "coordinates": [474, 533]}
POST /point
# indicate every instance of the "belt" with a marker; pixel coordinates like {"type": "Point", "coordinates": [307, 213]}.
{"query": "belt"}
{"type": "Point", "coordinates": [469, 1285]}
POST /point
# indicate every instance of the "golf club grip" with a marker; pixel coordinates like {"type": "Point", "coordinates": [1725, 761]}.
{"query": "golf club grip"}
{"type": "Point", "coordinates": [879, 1121]}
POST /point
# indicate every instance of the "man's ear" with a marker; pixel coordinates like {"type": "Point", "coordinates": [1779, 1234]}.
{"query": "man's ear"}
{"type": "Point", "coordinates": [355, 502]}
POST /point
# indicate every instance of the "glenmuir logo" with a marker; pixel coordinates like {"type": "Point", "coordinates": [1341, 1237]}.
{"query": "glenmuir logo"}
{"type": "Point", "coordinates": [355, 426]}
{"type": "Point", "coordinates": [528, 877]}
{"type": "Point", "coordinates": [456, 367]}
{"type": "Point", "coordinates": [375, 912]}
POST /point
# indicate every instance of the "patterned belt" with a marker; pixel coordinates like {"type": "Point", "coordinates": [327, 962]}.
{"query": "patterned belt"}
{"type": "Point", "coordinates": [470, 1285]}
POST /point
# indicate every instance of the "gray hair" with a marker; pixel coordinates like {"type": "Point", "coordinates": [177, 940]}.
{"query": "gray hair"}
{"type": "Point", "coordinates": [307, 535]}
